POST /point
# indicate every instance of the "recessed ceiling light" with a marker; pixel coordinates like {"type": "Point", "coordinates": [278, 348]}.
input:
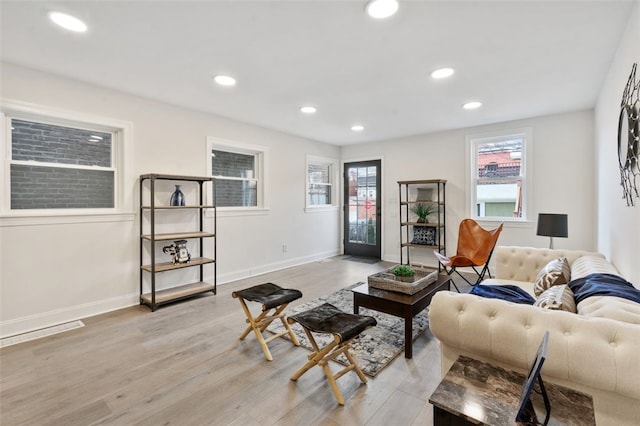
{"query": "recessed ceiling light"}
{"type": "Point", "coordinates": [68, 22]}
{"type": "Point", "coordinates": [442, 73]}
{"type": "Point", "coordinates": [472, 105]}
{"type": "Point", "coordinates": [308, 109]}
{"type": "Point", "coordinates": [357, 127]}
{"type": "Point", "coordinates": [224, 80]}
{"type": "Point", "coordinates": [380, 9]}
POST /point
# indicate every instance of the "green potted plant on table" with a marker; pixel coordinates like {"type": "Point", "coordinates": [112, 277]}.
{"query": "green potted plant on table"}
{"type": "Point", "coordinates": [404, 273]}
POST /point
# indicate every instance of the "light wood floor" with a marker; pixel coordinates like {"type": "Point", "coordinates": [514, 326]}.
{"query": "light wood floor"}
{"type": "Point", "coordinates": [184, 365]}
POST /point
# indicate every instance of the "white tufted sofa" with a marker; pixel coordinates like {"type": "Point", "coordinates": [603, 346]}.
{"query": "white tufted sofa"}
{"type": "Point", "coordinates": [587, 351]}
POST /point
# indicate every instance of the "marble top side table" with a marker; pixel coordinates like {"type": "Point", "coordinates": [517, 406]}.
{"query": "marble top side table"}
{"type": "Point", "coordinates": [478, 393]}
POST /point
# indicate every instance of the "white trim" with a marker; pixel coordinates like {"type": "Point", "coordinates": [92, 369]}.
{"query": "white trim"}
{"type": "Point", "coordinates": [122, 153]}
{"type": "Point", "coordinates": [382, 204]}
{"type": "Point", "coordinates": [5, 132]}
{"type": "Point", "coordinates": [59, 316]}
{"type": "Point", "coordinates": [235, 212]}
{"type": "Point", "coordinates": [64, 218]}
{"type": "Point", "coordinates": [62, 165]}
{"type": "Point", "coordinates": [320, 209]}
{"type": "Point", "coordinates": [490, 223]}
{"type": "Point", "coordinates": [262, 174]}
{"type": "Point", "coordinates": [526, 172]}
{"type": "Point", "coordinates": [275, 266]}
{"type": "Point", "coordinates": [334, 179]}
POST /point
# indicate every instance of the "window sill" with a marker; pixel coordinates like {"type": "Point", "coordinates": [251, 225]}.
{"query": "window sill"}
{"type": "Point", "coordinates": [319, 209]}
{"type": "Point", "coordinates": [31, 219]}
{"type": "Point", "coordinates": [231, 212]}
{"type": "Point", "coordinates": [508, 222]}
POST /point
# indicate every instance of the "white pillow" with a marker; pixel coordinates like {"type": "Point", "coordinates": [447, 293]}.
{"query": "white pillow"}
{"type": "Point", "coordinates": [558, 297]}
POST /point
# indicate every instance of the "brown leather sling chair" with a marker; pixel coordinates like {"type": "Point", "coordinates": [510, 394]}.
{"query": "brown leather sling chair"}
{"type": "Point", "coordinates": [475, 247]}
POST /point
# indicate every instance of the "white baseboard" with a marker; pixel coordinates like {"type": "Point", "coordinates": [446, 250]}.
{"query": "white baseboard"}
{"type": "Point", "coordinates": [271, 267]}
{"type": "Point", "coordinates": [395, 258]}
{"type": "Point", "coordinates": [43, 320]}
{"type": "Point", "coordinates": [51, 318]}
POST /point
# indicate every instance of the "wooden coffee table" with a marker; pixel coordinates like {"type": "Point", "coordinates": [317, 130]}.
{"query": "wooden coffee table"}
{"type": "Point", "coordinates": [400, 305]}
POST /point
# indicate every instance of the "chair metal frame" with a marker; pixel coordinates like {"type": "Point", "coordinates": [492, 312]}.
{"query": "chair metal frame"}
{"type": "Point", "coordinates": [475, 248]}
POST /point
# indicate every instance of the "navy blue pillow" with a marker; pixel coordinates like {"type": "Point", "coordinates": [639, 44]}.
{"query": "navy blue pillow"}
{"type": "Point", "coordinates": [510, 293]}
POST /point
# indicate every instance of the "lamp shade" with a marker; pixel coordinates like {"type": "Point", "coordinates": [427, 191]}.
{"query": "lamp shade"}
{"type": "Point", "coordinates": [552, 225]}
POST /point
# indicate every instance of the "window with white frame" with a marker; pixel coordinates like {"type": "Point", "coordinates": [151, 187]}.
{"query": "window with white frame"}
{"type": "Point", "coordinates": [320, 182]}
{"type": "Point", "coordinates": [57, 163]}
{"type": "Point", "coordinates": [239, 172]}
{"type": "Point", "coordinates": [498, 170]}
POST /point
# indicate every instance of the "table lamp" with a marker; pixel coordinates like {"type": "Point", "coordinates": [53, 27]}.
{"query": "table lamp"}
{"type": "Point", "coordinates": [552, 225]}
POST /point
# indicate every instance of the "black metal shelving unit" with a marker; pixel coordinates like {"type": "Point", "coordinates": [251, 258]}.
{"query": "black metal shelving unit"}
{"type": "Point", "coordinates": [150, 266]}
{"type": "Point", "coordinates": [407, 197]}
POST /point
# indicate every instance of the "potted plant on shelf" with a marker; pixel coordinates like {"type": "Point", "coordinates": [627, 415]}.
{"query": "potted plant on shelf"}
{"type": "Point", "coordinates": [404, 273]}
{"type": "Point", "coordinates": [423, 210]}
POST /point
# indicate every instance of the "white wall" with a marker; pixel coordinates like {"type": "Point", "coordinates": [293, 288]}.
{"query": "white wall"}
{"type": "Point", "coordinates": [618, 225]}
{"type": "Point", "coordinates": [562, 179]}
{"type": "Point", "coordinates": [54, 273]}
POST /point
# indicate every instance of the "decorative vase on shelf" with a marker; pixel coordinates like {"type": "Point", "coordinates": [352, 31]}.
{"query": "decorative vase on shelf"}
{"type": "Point", "coordinates": [177, 198]}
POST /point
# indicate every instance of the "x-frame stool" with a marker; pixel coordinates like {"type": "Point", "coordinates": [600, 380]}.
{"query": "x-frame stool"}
{"type": "Point", "coordinates": [272, 297]}
{"type": "Point", "coordinates": [326, 318]}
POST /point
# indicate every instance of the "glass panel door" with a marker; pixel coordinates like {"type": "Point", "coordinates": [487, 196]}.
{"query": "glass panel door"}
{"type": "Point", "coordinates": [362, 211]}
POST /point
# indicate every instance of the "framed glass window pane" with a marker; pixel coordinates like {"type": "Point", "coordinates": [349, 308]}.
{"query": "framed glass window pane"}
{"type": "Point", "coordinates": [319, 183]}
{"type": "Point", "coordinates": [319, 194]}
{"type": "Point", "coordinates": [498, 171]}
{"type": "Point", "coordinates": [233, 164]}
{"type": "Point", "coordinates": [236, 193]}
{"type": "Point", "coordinates": [60, 167]}
{"type": "Point", "coordinates": [320, 180]}
{"type": "Point", "coordinates": [47, 143]}
{"type": "Point", "coordinates": [236, 182]}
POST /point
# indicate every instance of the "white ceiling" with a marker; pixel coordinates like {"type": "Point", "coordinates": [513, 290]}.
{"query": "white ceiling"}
{"type": "Point", "coordinates": [520, 58]}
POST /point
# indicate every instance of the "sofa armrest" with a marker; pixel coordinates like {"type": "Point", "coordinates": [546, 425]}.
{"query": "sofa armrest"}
{"type": "Point", "coordinates": [523, 263]}
{"type": "Point", "coordinates": [595, 352]}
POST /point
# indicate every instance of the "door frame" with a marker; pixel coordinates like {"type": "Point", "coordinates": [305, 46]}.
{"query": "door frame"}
{"type": "Point", "coordinates": [381, 203]}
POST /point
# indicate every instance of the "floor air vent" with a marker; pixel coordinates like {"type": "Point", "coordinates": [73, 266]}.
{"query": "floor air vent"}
{"type": "Point", "coordinates": [37, 334]}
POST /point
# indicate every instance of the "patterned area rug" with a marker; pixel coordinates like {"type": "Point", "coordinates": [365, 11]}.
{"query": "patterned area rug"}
{"type": "Point", "coordinates": [376, 347]}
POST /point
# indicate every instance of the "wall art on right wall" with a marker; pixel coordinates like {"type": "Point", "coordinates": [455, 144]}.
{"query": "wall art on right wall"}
{"type": "Point", "coordinates": [629, 139]}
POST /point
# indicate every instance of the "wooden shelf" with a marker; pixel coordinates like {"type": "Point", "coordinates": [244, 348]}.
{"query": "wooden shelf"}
{"type": "Point", "coordinates": [176, 177]}
{"type": "Point", "coordinates": [177, 292]}
{"type": "Point", "coordinates": [421, 182]}
{"type": "Point", "coordinates": [426, 225]}
{"type": "Point", "coordinates": [419, 245]}
{"type": "Point", "coordinates": [169, 266]}
{"type": "Point", "coordinates": [179, 236]}
{"type": "Point", "coordinates": [406, 203]}
{"type": "Point", "coordinates": [176, 207]}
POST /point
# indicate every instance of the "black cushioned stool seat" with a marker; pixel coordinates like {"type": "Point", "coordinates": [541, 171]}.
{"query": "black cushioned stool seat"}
{"type": "Point", "coordinates": [326, 318]}
{"type": "Point", "coordinates": [273, 297]}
